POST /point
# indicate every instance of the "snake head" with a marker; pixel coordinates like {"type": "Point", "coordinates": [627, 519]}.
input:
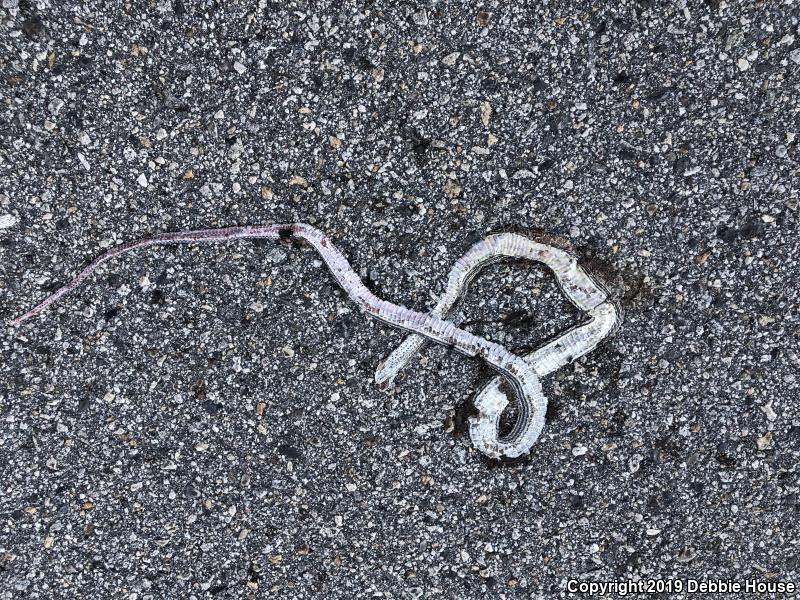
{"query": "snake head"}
{"type": "Point", "coordinates": [384, 377]}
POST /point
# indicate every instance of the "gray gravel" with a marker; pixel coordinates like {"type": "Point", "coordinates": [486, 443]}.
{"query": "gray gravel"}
{"type": "Point", "coordinates": [201, 422]}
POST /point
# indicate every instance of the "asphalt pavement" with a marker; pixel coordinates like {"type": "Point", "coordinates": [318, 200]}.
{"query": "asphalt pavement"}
{"type": "Point", "coordinates": [201, 421]}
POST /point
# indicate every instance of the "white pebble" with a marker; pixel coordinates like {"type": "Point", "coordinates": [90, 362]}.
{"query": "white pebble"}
{"type": "Point", "coordinates": [55, 105]}
{"type": "Point", "coordinates": [7, 221]}
{"type": "Point", "coordinates": [769, 411]}
{"type": "Point", "coordinates": [692, 171]}
{"type": "Point", "coordinates": [450, 59]}
{"type": "Point", "coordinates": [142, 180]}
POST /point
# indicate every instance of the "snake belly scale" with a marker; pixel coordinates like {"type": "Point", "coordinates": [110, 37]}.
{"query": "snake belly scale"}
{"type": "Point", "coordinates": [440, 325]}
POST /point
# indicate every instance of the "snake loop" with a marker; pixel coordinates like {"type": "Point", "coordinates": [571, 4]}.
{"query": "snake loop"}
{"type": "Point", "coordinates": [578, 286]}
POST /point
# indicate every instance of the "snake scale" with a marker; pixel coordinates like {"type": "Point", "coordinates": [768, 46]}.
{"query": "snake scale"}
{"type": "Point", "coordinates": [441, 324]}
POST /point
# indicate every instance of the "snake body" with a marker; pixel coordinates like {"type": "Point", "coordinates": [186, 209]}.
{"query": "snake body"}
{"type": "Point", "coordinates": [580, 288]}
{"type": "Point", "coordinates": [522, 373]}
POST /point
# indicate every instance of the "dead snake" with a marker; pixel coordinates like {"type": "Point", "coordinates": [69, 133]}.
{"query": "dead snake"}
{"type": "Point", "coordinates": [522, 373]}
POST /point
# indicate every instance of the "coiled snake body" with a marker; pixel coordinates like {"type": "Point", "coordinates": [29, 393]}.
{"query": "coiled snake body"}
{"type": "Point", "coordinates": [522, 373]}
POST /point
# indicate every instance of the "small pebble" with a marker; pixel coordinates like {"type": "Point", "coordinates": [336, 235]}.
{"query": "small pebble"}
{"type": "Point", "coordinates": [7, 221]}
